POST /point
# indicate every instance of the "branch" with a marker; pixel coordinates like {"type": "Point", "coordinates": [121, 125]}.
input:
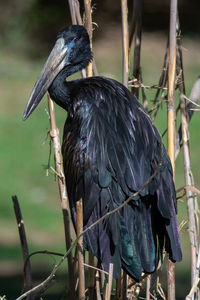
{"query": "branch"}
{"type": "Point", "coordinates": [24, 245]}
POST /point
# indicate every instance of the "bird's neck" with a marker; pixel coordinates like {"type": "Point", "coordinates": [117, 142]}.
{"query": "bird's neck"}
{"type": "Point", "coordinates": [60, 90]}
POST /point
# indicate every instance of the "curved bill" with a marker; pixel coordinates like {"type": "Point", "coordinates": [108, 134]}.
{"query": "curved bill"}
{"type": "Point", "coordinates": [52, 67]}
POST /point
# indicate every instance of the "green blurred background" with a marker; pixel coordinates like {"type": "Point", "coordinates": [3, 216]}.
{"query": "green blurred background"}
{"type": "Point", "coordinates": [27, 33]}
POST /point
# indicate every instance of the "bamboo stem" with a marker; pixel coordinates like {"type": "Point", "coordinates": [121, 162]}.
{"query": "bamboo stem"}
{"type": "Point", "coordinates": [171, 122]}
{"type": "Point", "coordinates": [79, 213]}
{"type": "Point", "coordinates": [125, 41]}
{"type": "Point", "coordinates": [54, 133]}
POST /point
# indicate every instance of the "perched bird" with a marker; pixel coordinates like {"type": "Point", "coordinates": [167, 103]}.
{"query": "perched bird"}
{"type": "Point", "coordinates": [110, 149]}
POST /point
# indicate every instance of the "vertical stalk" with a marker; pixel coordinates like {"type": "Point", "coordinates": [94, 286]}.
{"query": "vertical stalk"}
{"type": "Point", "coordinates": [79, 213]}
{"type": "Point", "coordinates": [75, 12]}
{"type": "Point", "coordinates": [118, 292]}
{"type": "Point", "coordinates": [137, 15]}
{"type": "Point", "coordinates": [148, 285]}
{"type": "Point", "coordinates": [98, 293]}
{"type": "Point", "coordinates": [89, 73]}
{"type": "Point", "coordinates": [189, 194]}
{"type": "Point", "coordinates": [91, 277]}
{"type": "Point", "coordinates": [171, 122]}
{"type": "Point", "coordinates": [109, 284]}
{"type": "Point", "coordinates": [24, 246]}
{"type": "Point", "coordinates": [193, 227]}
{"type": "Point", "coordinates": [125, 41]}
{"type": "Point", "coordinates": [88, 26]}
{"type": "Point", "coordinates": [54, 133]}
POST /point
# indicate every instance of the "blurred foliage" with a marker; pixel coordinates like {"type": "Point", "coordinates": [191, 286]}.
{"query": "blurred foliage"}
{"type": "Point", "coordinates": [31, 25]}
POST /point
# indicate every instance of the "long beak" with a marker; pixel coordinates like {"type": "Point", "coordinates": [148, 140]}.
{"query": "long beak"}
{"type": "Point", "coordinates": [52, 67]}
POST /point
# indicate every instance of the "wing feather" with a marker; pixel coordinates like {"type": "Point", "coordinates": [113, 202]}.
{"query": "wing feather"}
{"type": "Point", "coordinates": [110, 149]}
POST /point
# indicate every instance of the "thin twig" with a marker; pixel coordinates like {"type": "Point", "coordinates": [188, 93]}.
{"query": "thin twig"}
{"type": "Point", "coordinates": [95, 268]}
{"type": "Point", "coordinates": [192, 291]}
{"type": "Point", "coordinates": [190, 188]}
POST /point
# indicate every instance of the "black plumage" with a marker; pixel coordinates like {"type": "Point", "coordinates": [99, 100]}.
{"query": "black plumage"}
{"type": "Point", "coordinates": [110, 149]}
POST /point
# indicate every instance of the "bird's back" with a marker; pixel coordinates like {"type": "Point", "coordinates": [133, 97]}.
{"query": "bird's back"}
{"type": "Point", "coordinates": [110, 149]}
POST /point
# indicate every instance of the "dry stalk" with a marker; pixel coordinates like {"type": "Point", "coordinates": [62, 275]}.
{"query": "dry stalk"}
{"type": "Point", "coordinates": [88, 26]}
{"type": "Point", "coordinates": [125, 41]}
{"type": "Point", "coordinates": [189, 195]}
{"type": "Point", "coordinates": [89, 73]}
{"type": "Point", "coordinates": [193, 289]}
{"type": "Point", "coordinates": [54, 133]}
{"type": "Point", "coordinates": [148, 285]}
{"type": "Point", "coordinates": [79, 214]}
{"type": "Point", "coordinates": [193, 221]}
{"type": "Point", "coordinates": [118, 291]}
{"type": "Point", "coordinates": [162, 84]}
{"type": "Point", "coordinates": [190, 107]}
{"type": "Point", "coordinates": [75, 12]}
{"type": "Point", "coordinates": [137, 20]}
{"type": "Point", "coordinates": [171, 122]}
{"type": "Point", "coordinates": [24, 246]}
{"type": "Point", "coordinates": [98, 290]}
{"type": "Point", "coordinates": [109, 284]}
{"type": "Point", "coordinates": [91, 276]}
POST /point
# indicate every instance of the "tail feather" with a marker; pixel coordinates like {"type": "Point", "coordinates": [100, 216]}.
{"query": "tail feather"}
{"type": "Point", "coordinates": [134, 237]}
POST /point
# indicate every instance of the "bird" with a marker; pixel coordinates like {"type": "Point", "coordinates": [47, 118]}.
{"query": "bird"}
{"type": "Point", "coordinates": [110, 150]}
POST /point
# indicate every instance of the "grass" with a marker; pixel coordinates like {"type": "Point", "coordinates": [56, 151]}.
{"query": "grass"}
{"type": "Point", "coordinates": [25, 148]}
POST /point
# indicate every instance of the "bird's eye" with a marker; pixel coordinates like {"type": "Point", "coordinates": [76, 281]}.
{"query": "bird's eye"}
{"type": "Point", "coordinates": [75, 39]}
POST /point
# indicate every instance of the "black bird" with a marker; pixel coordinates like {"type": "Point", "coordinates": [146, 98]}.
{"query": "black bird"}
{"type": "Point", "coordinates": [110, 149]}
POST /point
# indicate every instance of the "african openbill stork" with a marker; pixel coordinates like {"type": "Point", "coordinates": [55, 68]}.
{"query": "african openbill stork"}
{"type": "Point", "coordinates": [110, 149]}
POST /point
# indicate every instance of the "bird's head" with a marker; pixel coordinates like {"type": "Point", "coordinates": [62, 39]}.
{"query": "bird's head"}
{"type": "Point", "coordinates": [71, 52]}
